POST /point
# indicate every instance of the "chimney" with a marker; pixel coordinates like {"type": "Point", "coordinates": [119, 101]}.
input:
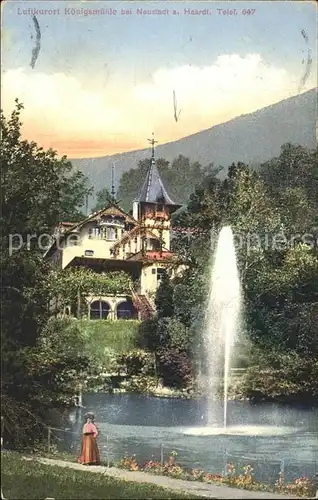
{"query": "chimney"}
{"type": "Point", "coordinates": [135, 210]}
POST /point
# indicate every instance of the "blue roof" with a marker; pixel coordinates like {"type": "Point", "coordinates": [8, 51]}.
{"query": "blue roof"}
{"type": "Point", "coordinates": [153, 190]}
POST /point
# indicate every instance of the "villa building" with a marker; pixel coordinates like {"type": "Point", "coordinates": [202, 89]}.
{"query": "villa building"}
{"type": "Point", "coordinates": [113, 240]}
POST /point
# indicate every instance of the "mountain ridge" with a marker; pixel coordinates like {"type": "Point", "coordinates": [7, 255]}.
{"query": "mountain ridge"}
{"type": "Point", "coordinates": [251, 138]}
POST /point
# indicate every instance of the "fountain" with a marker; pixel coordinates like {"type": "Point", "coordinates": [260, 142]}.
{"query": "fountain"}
{"type": "Point", "coordinates": [222, 326]}
{"type": "Point", "coordinates": [222, 318]}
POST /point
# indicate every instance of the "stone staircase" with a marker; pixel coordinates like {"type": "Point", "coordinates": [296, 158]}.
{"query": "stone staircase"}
{"type": "Point", "coordinates": [143, 305]}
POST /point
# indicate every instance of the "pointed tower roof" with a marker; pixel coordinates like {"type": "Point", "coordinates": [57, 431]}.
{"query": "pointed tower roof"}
{"type": "Point", "coordinates": [153, 190]}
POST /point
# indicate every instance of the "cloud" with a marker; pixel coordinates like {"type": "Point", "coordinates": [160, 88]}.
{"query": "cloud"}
{"type": "Point", "coordinates": [233, 85]}
{"type": "Point", "coordinates": [70, 115]}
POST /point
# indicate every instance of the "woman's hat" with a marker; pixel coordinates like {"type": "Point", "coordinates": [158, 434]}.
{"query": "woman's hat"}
{"type": "Point", "coordinates": [90, 415]}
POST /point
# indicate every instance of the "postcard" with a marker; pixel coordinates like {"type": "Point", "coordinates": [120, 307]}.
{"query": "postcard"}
{"type": "Point", "coordinates": [159, 248]}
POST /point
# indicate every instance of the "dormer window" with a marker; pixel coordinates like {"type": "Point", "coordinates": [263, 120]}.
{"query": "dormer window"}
{"type": "Point", "coordinates": [104, 232]}
{"type": "Point", "coordinates": [95, 232]}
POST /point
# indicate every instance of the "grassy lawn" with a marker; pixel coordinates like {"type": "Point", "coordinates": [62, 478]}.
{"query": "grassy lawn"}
{"type": "Point", "coordinates": [22, 479]}
{"type": "Point", "coordinates": [119, 335]}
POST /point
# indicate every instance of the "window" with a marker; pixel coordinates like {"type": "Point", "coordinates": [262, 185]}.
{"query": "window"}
{"type": "Point", "coordinates": [161, 273]}
{"type": "Point", "coordinates": [72, 240]}
{"type": "Point", "coordinates": [126, 310]}
{"type": "Point", "coordinates": [155, 245]}
{"type": "Point", "coordinates": [95, 232]}
{"type": "Point", "coordinates": [89, 253]}
{"type": "Point", "coordinates": [160, 203]}
{"type": "Point", "coordinates": [103, 232]}
{"type": "Point", "coordinates": [99, 310]}
{"type": "Point", "coordinates": [110, 233]}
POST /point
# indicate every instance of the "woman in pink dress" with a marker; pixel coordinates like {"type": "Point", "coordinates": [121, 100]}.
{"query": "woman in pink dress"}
{"type": "Point", "coordinates": [90, 452]}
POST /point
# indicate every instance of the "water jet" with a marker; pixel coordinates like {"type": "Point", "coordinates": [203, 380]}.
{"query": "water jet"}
{"type": "Point", "coordinates": [222, 319]}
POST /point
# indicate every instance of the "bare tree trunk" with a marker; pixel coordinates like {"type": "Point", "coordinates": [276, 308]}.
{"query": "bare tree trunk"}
{"type": "Point", "coordinates": [78, 304]}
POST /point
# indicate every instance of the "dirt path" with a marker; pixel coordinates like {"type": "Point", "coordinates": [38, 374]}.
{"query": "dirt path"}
{"type": "Point", "coordinates": [191, 487]}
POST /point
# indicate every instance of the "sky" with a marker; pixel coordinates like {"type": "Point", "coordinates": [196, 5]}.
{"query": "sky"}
{"type": "Point", "coordinates": [104, 81]}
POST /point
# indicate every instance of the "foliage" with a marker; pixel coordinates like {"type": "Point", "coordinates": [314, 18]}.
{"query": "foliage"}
{"type": "Point", "coordinates": [71, 285]}
{"type": "Point", "coordinates": [159, 333]}
{"type": "Point", "coordinates": [143, 384]}
{"type": "Point", "coordinates": [103, 198]}
{"type": "Point", "coordinates": [49, 373]}
{"type": "Point", "coordinates": [189, 295]}
{"type": "Point", "coordinates": [278, 262]}
{"type": "Point", "coordinates": [302, 487]}
{"type": "Point", "coordinates": [286, 376]}
{"type": "Point", "coordinates": [138, 362]}
{"type": "Point", "coordinates": [38, 190]}
{"type": "Point", "coordinates": [170, 341]}
{"type": "Point", "coordinates": [292, 179]}
{"type": "Point", "coordinates": [128, 463]}
{"type": "Point", "coordinates": [164, 298]}
{"type": "Point", "coordinates": [174, 367]}
{"type": "Point", "coordinates": [55, 364]}
{"type": "Point", "coordinates": [282, 300]}
{"type": "Point", "coordinates": [105, 345]}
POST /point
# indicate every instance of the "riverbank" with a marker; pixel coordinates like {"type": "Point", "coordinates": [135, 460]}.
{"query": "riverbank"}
{"type": "Point", "coordinates": [58, 479]}
{"type": "Point", "coordinates": [150, 386]}
{"type": "Point", "coordinates": [190, 394]}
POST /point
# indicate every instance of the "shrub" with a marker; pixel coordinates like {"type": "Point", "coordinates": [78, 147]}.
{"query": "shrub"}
{"type": "Point", "coordinates": [286, 376]}
{"type": "Point", "coordinates": [175, 367]}
{"type": "Point", "coordinates": [140, 383]}
{"type": "Point", "coordinates": [138, 362]}
{"type": "Point", "coordinates": [168, 333]}
{"type": "Point", "coordinates": [302, 487]}
{"type": "Point", "coordinates": [128, 463]}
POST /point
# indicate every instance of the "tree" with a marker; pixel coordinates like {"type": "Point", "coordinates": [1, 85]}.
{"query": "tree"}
{"type": "Point", "coordinates": [278, 270]}
{"type": "Point", "coordinates": [56, 363]}
{"type": "Point", "coordinates": [175, 367]}
{"type": "Point", "coordinates": [103, 198]}
{"type": "Point", "coordinates": [282, 300]}
{"type": "Point", "coordinates": [38, 191]}
{"type": "Point", "coordinates": [164, 298]}
{"type": "Point", "coordinates": [292, 182]}
{"type": "Point", "coordinates": [170, 342]}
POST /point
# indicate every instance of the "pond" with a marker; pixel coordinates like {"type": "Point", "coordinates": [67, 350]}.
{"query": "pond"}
{"type": "Point", "coordinates": [268, 437]}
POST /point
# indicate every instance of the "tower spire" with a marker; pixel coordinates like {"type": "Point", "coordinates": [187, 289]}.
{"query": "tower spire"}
{"type": "Point", "coordinates": [113, 192]}
{"type": "Point", "coordinates": [152, 142]}
{"type": "Point", "coordinates": [153, 188]}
